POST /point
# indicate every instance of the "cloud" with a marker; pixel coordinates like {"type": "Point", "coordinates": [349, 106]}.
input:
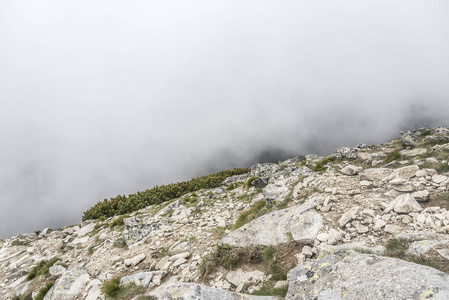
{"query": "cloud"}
{"type": "Point", "coordinates": [100, 98]}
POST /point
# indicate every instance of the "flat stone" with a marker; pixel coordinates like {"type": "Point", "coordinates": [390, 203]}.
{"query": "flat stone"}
{"type": "Point", "coordinates": [421, 196]}
{"type": "Point", "coordinates": [439, 178]}
{"type": "Point", "coordinates": [135, 260]}
{"type": "Point", "coordinates": [297, 222]}
{"type": "Point", "coordinates": [350, 170]}
{"type": "Point", "coordinates": [180, 290]}
{"type": "Point", "coordinates": [69, 285]}
{"type": "Point", "coordinates": [352, 275]}
{"type": "Point", "coordinates": [349, 216]}
{"type": "Point", "coordinates": [139, 279]}
{"type": "Point", "coordinates": [413, 152]}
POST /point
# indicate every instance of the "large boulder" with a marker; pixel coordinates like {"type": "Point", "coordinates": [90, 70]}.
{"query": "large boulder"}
{"type": "Point", "coordinates": [299, 223]}
{"type": "Point", "coordinates": [352, 275]}
{"type": "Point", "coordinates": [69, 285]}
{"type": "Point", "coordinates": [191, 291]}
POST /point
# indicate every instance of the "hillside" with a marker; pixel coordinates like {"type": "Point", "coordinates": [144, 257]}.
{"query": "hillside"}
{"type": "Point", "coordinates": [368, 222]}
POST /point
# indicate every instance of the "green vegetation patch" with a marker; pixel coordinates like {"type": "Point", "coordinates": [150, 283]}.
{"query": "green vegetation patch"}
{"type": "Point", "coordinates": [230, 257]}
{"type": "Point", "coordinates": [113, 290]}
{"type": "Point", "coordinates": [41, 269]}
{"type": "Point", "coordinates": [250, 181]}
{"type": "Point", "coordinates": [125, 204]}
{"type": "Point", "coordinates": [117, 222]}
{"type": "Point", "coordinates": [256, 210]}
{"type": "Point", "coordinates": [269, 290]}
{"type": "Point", "coordinates": [43, 291]}
{"type": "Point", "coordinates": [398, 247]}
{"type": "Point", "coordinates": [321, 165]}
{"type": "Point", "coordinates": [393, 155]}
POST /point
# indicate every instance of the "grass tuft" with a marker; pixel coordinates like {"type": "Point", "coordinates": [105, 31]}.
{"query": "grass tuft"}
{"type": "Point", "coordinates": [393, 155]}
{"type": "Point", "coordinates": [256, 210]}
{"type": "Point", "coordinates": [43, 291]}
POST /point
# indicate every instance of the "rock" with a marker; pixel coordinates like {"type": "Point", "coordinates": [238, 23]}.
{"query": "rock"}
{"type": "Point", "coordinates": [334, 237]}
{"type": "Point", "coordinates": [56, 270]}
{"type": "Point", "coordinates": [94, 288]}
{"type": "Point", "coordinates": [413, 152]}
{"type": "Point", "coordinates": [86, 229]}
{"type": "Point", "coordinates": [138, 232]}
{"type": "Point", "coordinates": [135, 260]}
{"type": "Point", "coordinates": [345, 153]}
{"type": "Point", "coordinates": [350, 170]}
{"type": "Point", "coordinates": [421, 196]}
{"type": "Point", "coordinates": [379, 224]}
{"type": "Point", "coordinates": [432, 160]}
{"type": "Point", "coordinates": [179, 262]}
{"type": "Point", "coordinates": [307, 251]}
{"type": "Point", "coordinates": [276, 227]}
{"type": "Point", "coordinates": [374, 174]}
{"type": "Point", "coordinates": [280, 284]}
{"type": "Point", "coordinates": [349, 216]}
{"type": "Point", "coordinates": [139, 279]}
{"type": "Point", "coordinates": [264, 170]}
{"type": "Point", "coordinates": [404, 204]}
{"type": "Point", "coordinates": [425, 246]}
{"type": "Point", "coordinates": [439, 178]}
{"type": "Point", "coordinates": [162, 262]}
{"type": "Point", "coordinates": [260, 182]}
{"type": "Point", "coordinates": [70, 284]}
{"type": "Point", "coordinates": [191, 291]}
{"type": "Point", "coordinates": [276, 192]}
{"type": "Point", "coordinates": [324, 249]}
{"type": "Point", "coordinates": [352, 275]}
{"type": "Point", "coordinates": [393, 229]}
{"type": "Point", "coordinates": [401, 185]}
{"type": "Point", "coordinates": [239, 277]}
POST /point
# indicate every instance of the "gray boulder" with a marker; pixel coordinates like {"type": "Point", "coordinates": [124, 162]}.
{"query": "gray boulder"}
{"type": "Point", "coordinates": [139, 279]}
{"type": "Point", "coordinates": [260, 182]}
{"type": "Point", "coordinates": [264, 170]}
{"type": "Point", "coordinates": [191, 291]}
{"type": "Point", "coordinates": [299, 223]}
{"type": "Point", "coordinates": [352, 275]}
{"type": "Point", "coordinates": [69, 285]}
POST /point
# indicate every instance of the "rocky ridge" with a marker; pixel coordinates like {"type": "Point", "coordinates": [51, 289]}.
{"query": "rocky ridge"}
{"type": "Point", "coordinates": [353, 225]}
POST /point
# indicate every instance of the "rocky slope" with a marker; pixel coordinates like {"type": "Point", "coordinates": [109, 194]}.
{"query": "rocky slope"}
{"type": "Point", "coordinates": [369, 222]}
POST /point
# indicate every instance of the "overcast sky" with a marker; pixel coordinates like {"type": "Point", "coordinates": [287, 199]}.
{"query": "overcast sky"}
{"type": "Point", "coordinates": [100, 98]}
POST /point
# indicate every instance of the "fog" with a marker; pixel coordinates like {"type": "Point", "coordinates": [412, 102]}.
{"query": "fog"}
{"type": "Point", "coordinates": [100, 98]}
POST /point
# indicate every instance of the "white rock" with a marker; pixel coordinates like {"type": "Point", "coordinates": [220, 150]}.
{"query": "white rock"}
{"type": "Point", "coordinates": [439, 178]}
{"type": "Point", "coordinates": [421, 196]}
{"type": "Point", "coordinates": [404, 204]}
{"type": "Point", "coordinates": [349, 216]}
{"type": "Point", "coordinates": [350, 170]}
{"type": "Point", "coordinates": [135, 260]}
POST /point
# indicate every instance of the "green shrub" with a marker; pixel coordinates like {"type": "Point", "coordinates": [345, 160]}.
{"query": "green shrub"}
{"type": "Point", "coordinates": [125, 204]}
{"type": "Point", "coordinates": [111, 288]}
{"type": "Point", "coordinates": [393, 155]}
{"type": "Point", "coordinates": [41, 269]}
{"type": "Point", "coordinates": [43, 291]}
